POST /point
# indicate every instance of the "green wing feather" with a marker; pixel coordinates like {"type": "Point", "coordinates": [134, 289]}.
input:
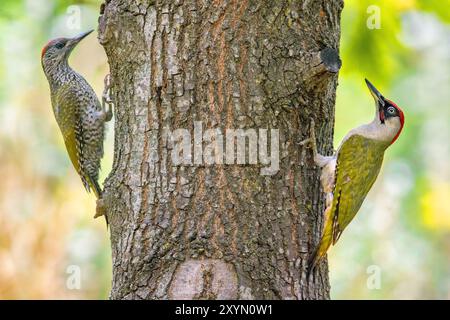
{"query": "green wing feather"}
{"type": "Point", "coordinates": [358, 163]}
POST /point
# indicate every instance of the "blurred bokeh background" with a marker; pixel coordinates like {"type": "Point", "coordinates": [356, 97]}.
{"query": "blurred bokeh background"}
{"type": "Point", "coordinates": [398, 246]}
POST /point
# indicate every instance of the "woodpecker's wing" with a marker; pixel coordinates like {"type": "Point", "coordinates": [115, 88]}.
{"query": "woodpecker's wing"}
{"type": "Point", "coordinates": [73, 139]}
{"type": "Point", "coordinates": [359, 161]}
{"type": "Point", "coordinates": [68, 108]}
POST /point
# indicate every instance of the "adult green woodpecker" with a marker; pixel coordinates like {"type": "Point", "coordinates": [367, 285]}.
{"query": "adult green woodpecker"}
{"type": "Point", "coordinates": [78, 112]}
{"type": "Point", "coordinates": [348, 175]}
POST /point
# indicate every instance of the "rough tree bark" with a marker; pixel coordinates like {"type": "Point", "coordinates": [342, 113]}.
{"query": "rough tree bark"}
{"type": "Point", "coordinates": [218, 231]}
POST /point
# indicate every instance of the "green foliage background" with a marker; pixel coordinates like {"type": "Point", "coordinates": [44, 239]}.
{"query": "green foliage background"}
{"type": "Point", "coordinates": [397, 247]}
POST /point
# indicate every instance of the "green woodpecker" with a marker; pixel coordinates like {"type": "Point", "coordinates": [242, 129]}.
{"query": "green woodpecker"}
{"type": "Point", "coordinates": [78, 112]}
{"type": "Point", "coordinates": [348, 175]}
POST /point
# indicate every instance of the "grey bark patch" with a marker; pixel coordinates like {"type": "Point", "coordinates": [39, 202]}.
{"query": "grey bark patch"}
{"type": "Point", "coordinates": [204, 279]}
{"type": "Point", "coordinates": [331, 60]}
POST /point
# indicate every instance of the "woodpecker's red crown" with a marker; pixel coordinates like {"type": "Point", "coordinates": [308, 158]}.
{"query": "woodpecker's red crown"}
{"type": "Point", "coordinates": [50, 44]}
{"type": "Point", "coordinates": [387, 109]}
{"type": "Point", "coordinates": [62, 46]}
{"type": "Point", "coordinates": [400, 114]}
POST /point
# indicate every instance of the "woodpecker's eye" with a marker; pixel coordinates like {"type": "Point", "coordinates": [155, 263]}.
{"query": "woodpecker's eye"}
{"type": "Point", "coordinates": [391, 110]}
{"type": "Point", "coordinates": [59, 45]}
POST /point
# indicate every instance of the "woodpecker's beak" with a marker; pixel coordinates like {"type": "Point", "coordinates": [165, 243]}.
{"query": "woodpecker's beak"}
{"type": "Point", "coordinates": [379, 99]}
{"type": "Point", "coordinates": [75, 40]}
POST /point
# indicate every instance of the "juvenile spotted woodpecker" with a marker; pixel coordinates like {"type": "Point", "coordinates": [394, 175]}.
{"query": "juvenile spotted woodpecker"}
{"type": "Point", "coordinates": [78, 112]}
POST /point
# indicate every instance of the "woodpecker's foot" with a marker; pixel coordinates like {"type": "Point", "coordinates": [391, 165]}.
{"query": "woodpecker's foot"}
{"type": "Point", "coordinates": [312, 132]}
{"type": "Point", "coordinates": [107, 98]}
{"type": "Point", "coordinates": [304, 142]}
{"type": "Point", "coordinates": [311, 141]}
{"type": "Point", "coordinates": [319, 159]}
{"type": "Point", "coordinates": [107, 89]}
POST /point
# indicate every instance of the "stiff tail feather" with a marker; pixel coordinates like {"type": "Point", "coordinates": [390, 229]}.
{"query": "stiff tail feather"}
{"type": "Point", "coordinates": [318, 254]}
{"type": "Point", "coordinates": [95, 188]}
{"type": "Point", "coordinates": [324, 243]}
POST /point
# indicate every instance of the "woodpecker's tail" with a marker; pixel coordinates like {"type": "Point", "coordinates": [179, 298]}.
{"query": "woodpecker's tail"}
{"type": "Point", "coordinates": [96, 188]}
{"type": "Point", "coordinates": [312, 261]}
{"type": "Point", "coordinates": [91, 184]}
{"type": "Point", "coordinates": [318, 253]}
{"type": "Point", "coordinates": [324, 243]}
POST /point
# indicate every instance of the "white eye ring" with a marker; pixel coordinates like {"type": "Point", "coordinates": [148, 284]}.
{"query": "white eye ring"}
{"type": "Point", "coordinates": [391, 110]}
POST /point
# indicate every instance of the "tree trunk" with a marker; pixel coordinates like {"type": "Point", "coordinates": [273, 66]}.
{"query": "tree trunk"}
{"type": "Point", "coordinates": [221, 230]}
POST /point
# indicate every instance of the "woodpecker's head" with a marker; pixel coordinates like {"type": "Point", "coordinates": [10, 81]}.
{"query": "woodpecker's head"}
{"type": "Point", "coordinates": [58, 50]}
{"type": "Point", "coordinates": [389, 115]}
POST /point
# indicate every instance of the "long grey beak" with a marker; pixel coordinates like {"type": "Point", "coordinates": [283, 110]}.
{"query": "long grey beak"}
{"type": "Point", "coordinates": [75, 40]}
{"type": "Point", "coordinates": [379, 99]}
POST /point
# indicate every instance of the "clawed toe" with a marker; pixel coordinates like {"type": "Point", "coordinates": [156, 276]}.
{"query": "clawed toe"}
{"type": "Point", "coordinates": [107, 98]}
{"type": "Point", "coordinates": [304, 142]}
{"type": "Point", "coordinates": [312, 135]}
